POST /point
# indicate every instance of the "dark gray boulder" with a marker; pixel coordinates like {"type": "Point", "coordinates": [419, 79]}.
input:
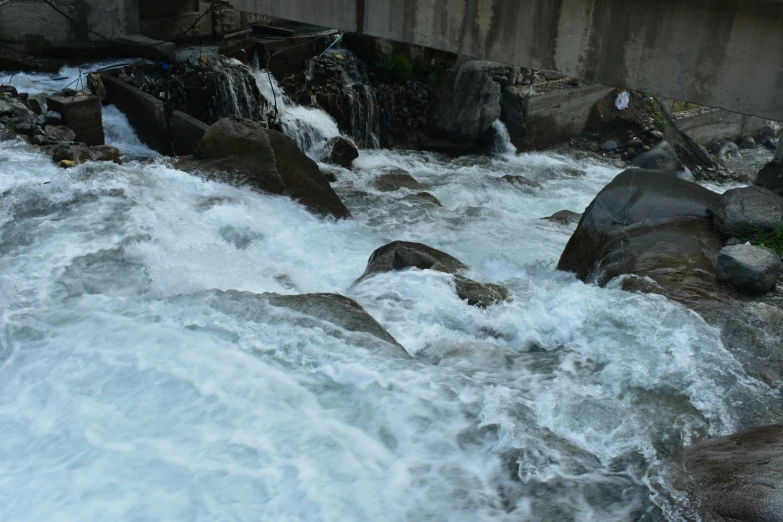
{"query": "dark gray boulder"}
{"type": "Point", "coordinates": [424, 199]}
{"type": "Point", "coordinates": [747, 142]}
{"type": "Point", "coordinates": [768, 137]}
{"type": "Point", "coordinates": [336, 309]}
{"type": "Point", "coordinates": [242, 152]}
{"type": "Point", "coordinates": [748, 268]}
{"type": "Point", "coordinates": [747, 211]}
{"type": "Point", "coordinates": [564, 217]}
{"type": "Point", "coordinates": [400, 255]}
{"type": "Point", "coordinates": [466, 103]}
{"type": "Point", "coordinates": [59, 134]}
{"type": "Point", "coordinates": [342, 152]}
{"type": "Point", "coordinates": [321, 311]}
{"type": "Point", "coordinates": [638, 210]}
{"type": "Point", "coordinates": [771, 176]}
{"type": "Point", "coordinates": [609, 145]}
{"type": "Point", "coordinates": [512, 113]}
{"type": "Point", "coordinates": [395, 179]}
{"type": "Point", "coordinates": [739, 477]}
{"type": "Point", "coordinates": [662, 157]}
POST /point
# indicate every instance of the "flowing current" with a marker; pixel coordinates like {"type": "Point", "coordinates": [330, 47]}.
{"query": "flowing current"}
{"type": "Point", "coordinates": [132, 390]}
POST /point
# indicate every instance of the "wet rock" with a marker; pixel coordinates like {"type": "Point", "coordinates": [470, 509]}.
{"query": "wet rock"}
{"type": "Point", "coordinates": [747, 211]}
{"type": "Point", "coordinates": [59, 134]}
{"type": "Point", "coordinates": [512, 113]}
{"type": "Point", "coordinates": [620, 164]}
{"type": "Point", "coordinates": [609, 145]}
{"type": "Point", "coordinates": [66, 164]}
{"type": "Point", "coordinates": [662, 157]}
{"type": "Point", "coordinates": [646, 223]}
{"type": "Point", "coordinates": [466, 103]}
{"type": "Point", "coordinates": [336, 309]}
{"type": "Point", "coordinates": [747, 142]}
{"type": "Point", "coordinates": [35, 106]}
{"type": "Point", "coordinates": [564, 217]}
{"type": "Point", "coordinates": [343, 152]}
{"type": "Point", "coordinates": [243, 152]}
{"type": "Point", "coordinates": [686, 174]}
{"type": "Point", "coordinates": [768, 137]}
{"type": "Point", "coordinates": [9, 89]}
{"type": "Point", "coordinates": [749, 268]}
{"type": "Point", "coordinates": [738, 477]}
{"type": "Point", "coordinates": [771, 176]}
{"type": "Point", "coordinates": [400, 255]}
{"type": "Point", "coordinates": [423, 198]}
{"type": "Point", "coordinates": [520, 181]}
{"type": "Point", "coordinates": [37, 140]}
{"type": "Point", "coordinates": [728, 151]}
{"type": "Point", "coordinates": [396, 179]}
{"type": "Point", "coordinates": [331, 177]}
{"type": "Point", "coordinates": [321, 311]}
{"type": "Point", "coordinates": [105, 153]}
{"type": "Point", "coordinates": [62, 153]}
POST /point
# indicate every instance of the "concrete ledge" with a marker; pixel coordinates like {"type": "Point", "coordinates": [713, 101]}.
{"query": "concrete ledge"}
{"type": "Point", "coordinates": [138, 45]}
{"type": "Point", "coordinates": [187, 132]}
{"type": "Point", "coordinates": [719, 125]}
{"type": "Point", "coordinates": [146, 113]}
{"type": "Point", "coordinates": [81, 113]}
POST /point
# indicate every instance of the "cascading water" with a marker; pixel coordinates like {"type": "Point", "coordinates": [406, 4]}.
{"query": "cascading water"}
{"type": "Point", "coordinates": [131, 390]}
{"type": "Point", "coordinates": [310, 128]}
{"type": "Point", "coordinates": [503, 143]}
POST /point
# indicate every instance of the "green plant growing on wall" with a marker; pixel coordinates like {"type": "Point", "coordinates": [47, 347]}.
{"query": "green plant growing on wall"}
{"type": "Point", "coordinates": [397, 67]}
{"type": "Point", "coordinates": [35, 42]}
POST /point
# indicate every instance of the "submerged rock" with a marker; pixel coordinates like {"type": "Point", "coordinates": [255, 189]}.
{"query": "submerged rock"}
{"type": "Point", "coordinates": [336, 309]}
{"type": "Point", "coordinates": [320, 311]}
{"type": "Point", "coordinates": [343, 152]}
{"type": "Point", "coordinates": [564, 217]}
{"type": "Point", "coordinates": [520, 181]}
{"type": "Point", "coordinates": [243, 152]}
{"type": "Point", "coordinates": [400, 255]}
{"type": "Point", "coordinates": [747, 142]}
{"type": "Point", "coordinates": [662, 157]}
{"type": "Point", "coordinates": [738, 477]}
{"type": "Point", "coordinates": [729, 150]}
{"type": "Point", "coordinates": [749, 268]}
{"type": "Point", "coordinates": [396, 179]}
{"type": "Point", "coordinates": [423, 198]}
{"type": "Point", "coordinates": [747, 211]}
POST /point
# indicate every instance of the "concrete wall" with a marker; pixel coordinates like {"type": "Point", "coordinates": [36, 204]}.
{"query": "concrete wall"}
{"type": "Point", "coordinates": [558, 115]}
{"type": "Point", "coordinates": [23, 19]}
{"type": "Point", "coordinates": [717, 53]}
{"type": "Point", "coordinates": [719, 125]}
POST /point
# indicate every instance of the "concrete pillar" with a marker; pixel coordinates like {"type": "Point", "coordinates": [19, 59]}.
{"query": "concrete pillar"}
{"type": "Point", "coordinates": [779, 152]}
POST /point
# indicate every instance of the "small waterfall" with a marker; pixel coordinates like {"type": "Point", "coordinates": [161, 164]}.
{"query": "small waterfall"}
{"type": "Point", "coordinates": [365, 118]}
{"type": "Point", "coordinates": [503, 143]}
{"type": "Point", "coordinates": [120, 133]}
{"type": "Point", "coordinates": [310, 128]}
{"type": "Point", "coordinates": [238, 89]}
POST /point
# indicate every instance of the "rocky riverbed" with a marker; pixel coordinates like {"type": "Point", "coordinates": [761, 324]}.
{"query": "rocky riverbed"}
{"type": "Point", "coordinates": [255, 332]}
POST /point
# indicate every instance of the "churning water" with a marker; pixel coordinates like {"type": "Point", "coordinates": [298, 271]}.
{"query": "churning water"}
{"type": "Point", "coordinates": [130, 389]}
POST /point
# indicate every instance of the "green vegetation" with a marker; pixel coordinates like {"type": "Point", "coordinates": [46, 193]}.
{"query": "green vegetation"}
{"type": "Point", "coordinates": [31, 41]}
{"type": "Point", "coordinates": [772, 240]}
{"type": "Point", "coordinates": [399, 68]}
{"type": "Point", "coordinates": [679, 106]}
{"type": "Point", "coordinates": [659, 121]}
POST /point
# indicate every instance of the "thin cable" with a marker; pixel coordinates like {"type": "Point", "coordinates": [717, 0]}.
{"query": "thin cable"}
{"type": "Point", "coordinates": [211, 9]}
{"type": "Point", "coordinates": [269, 74]}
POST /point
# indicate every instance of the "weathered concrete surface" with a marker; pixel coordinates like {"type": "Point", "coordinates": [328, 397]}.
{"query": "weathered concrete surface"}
{"type": "Point", "coordinates": [187, 132]}
{"type": "Point", "coordinates": [558, 115]}
{"type": "Point", "coordinates": [82, 114]}
{"type": "Point", "coordinates": [720, 53]}
{"type": "Point", "coordinates": [146, 113]}
{"type": "Point", "coordinates": [719, 125]}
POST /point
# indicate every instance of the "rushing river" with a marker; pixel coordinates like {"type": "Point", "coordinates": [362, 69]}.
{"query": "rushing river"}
{"type": "Point", "coordinates": [131, 391]}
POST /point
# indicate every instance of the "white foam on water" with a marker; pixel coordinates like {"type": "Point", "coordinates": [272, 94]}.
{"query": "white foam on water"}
{"type": "Point", "coordinates": [120, 133]}
{"type": "Point", "coordinates": [131, 389]}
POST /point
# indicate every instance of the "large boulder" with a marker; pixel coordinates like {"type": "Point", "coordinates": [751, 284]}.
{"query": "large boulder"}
{"type": "Point", "coordinates": [644, 222]}
{"type": "Point", "coordinates": [243, 152]}
{"type": "Point", "coordinates": [662, 157]}
{"type": "Point", "coordinates": [342, 152]}
{"type": "Point", "coordinates": [739, 477]}
{"type": "Point", "coordinates": [466, 103]}
{"type": "Point", "coordinates": [395, 179]}
{"type": "Point", "coordinates": [332, 314]}
{"type": "Point", "coordinates": [749, 268]}
{"type": "Point", "coordinates": [747, 211]}
{"type": "Point", "coordinates": [400, 255]}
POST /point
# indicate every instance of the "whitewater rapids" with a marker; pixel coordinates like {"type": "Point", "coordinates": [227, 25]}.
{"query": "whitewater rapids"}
{"type": "Point", "coordinates": [131, 391]}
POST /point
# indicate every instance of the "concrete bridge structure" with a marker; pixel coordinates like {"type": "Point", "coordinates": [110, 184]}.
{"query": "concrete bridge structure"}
{"type": "Point", "coordinates": [719, 53]}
